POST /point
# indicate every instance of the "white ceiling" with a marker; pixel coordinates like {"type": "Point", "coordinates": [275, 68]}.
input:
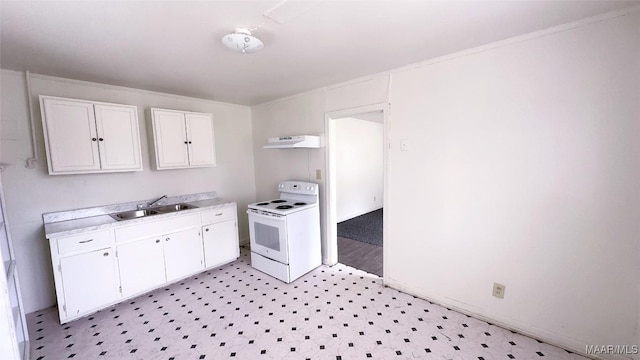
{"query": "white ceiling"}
{"type": "Point", "coordinates": [175, 47]}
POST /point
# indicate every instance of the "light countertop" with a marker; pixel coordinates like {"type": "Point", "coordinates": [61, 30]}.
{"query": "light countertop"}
{"type": "Point", "coordinates": [81, 224]}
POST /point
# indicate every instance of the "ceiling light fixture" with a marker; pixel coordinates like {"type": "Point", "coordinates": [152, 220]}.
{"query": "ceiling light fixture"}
{"type": "Point", "coordinates": [242, 41]}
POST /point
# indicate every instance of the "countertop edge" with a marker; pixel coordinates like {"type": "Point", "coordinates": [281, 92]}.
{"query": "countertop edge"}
{"type": "Point", "coordinates": [77, 226]}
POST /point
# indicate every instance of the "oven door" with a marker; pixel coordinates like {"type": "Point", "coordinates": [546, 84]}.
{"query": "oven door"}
{"type": "Point", "coordinates": [268, 235]}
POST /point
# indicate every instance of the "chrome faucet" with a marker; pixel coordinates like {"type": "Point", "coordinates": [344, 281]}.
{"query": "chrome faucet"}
{"type": "Point", "coordinates": [140, 207]}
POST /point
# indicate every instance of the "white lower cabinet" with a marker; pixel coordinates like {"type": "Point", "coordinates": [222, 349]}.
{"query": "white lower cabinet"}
{"type": "Point", "coordinates": [96, 269]}
{"type": "Point", "coordinates": [147, 254]}
{"type": "Point", "coordinates": [220, 235]}
{"type": "Point", "coordinates": [90, 280]}
{"type": "Point", "coordinates": [183, 254]}
{"type": "Point", "coordinates": [220, 242]}
{"type": "Point", "coordinates": [145, 264]}
{"type": "Point", "coordinates": [85, 272]}
{"type": "Point", "coordinates": [141, 265]}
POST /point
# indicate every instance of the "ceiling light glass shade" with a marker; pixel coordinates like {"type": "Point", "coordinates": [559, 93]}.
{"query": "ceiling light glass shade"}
{"type": "Point", "coordinates": [242, 41]}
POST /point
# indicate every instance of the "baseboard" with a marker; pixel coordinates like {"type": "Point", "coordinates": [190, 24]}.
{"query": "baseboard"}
{"type": "Point", "coordinates": [509, 324]}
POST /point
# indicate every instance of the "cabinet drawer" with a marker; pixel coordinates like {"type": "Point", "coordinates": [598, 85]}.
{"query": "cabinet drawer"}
{"type": "Point", "coordinates": [215, 215]}
{"type": "Point", "coordinates": [85, 242]}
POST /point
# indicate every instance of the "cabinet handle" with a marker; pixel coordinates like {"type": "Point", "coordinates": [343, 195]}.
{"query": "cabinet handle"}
{"type": "Point", "coordinates": [207, 229]}
{"type": "Point", "coordinates": [167, 239]}
{"type": "Point", "coordinates": [186, 142]}
{"type": "Point", "coordinates": [157, 241]}
{"type": "Point", "coordinates": [85, 241]}
{"type": "Point", "coordinates": [218, 214]}
{"type": "Point", "coordinates": [189, 142]}
{"type": "Point", "coordinates": [100, 139]}
{"type": "Point", "coordinates": [105, 254]}
{"type": "Point", "coordinates": [94, 139]}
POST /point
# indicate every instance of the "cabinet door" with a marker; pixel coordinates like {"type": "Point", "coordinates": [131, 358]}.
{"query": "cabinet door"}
{"type": "Point", "coordinates": [220, 242]}
{"type": "Point", "coordinates": [89, 281]}
{"type": "Point", "coordinates": [141, 265]}
{"type": "Point", "coordinates": [183, 253]}
{"type": "Point", "coordinates": [70, 136]}
{"type": "Point", "coordinates": [118, 137]}
{"type": "Point", "coordinates": [201, 139]}
{"type": "Point", "coordinates": [170, 139]}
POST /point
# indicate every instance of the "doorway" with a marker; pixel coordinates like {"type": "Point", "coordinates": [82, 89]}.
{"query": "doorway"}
{"type": "Point", "coordinates": [355, 189]}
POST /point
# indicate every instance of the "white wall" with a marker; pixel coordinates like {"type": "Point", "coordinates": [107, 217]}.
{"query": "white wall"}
{"type": "Point", "coordinates": [31, 192]}
{"type": "Point", "coordinates": [299, 115]}
{"type": "Point", "coordinates": [522, 169]}
{"type": "Point", "coordinates": [366, 91]}
{"type": "Point", "coordinates": [359, 166]}
{"type": "Point", "coordinates": [528, 160]}
{"type": "Point", "coordinates": [525, 153]}
{"type": "Point", "coordinates": [304, 114]}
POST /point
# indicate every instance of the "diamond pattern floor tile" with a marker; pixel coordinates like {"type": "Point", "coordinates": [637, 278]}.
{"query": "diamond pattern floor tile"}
{"type": "Point", "coordinates": [237, 312]}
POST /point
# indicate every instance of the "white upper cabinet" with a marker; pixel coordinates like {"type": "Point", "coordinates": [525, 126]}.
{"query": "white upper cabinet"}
{"type": "Point", "coordinates": [200, 134]}
{"type": "Point", "coordinates": [70, 128]}
{"type": "Point", "coordinates": [119, 141]}
{"type": "Point", "coordinates": [170, 139]}
{"type": "Point", "coordinates": [183, 139]}
{"type": "Point", "coordinates": [87, 137]}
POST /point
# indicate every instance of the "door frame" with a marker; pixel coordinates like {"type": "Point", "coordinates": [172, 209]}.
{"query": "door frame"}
{"type": "Point", "coordinates": [330, 256]}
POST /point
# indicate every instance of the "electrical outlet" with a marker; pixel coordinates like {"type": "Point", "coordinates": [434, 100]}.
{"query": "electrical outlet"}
{"type": "Point", "coordinates": [318, 174]}
{"type": "Point", "coordinates": [498, 290]}
{"type": "Point", "coordinates": [404, 145]}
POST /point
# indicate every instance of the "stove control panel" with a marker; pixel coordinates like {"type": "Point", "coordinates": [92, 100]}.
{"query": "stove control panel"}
{"type": "Point", "coordinates": [265, 213]}
{"type": "Point", "coordinates": [298, 187]}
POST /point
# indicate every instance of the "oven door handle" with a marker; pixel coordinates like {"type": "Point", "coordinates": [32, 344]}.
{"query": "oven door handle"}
{"type": "Point", "coordinates": [269, 217]}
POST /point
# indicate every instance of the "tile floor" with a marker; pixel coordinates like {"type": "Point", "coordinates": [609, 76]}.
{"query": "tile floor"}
{"type": "Point", "coordinates": [236, 312]}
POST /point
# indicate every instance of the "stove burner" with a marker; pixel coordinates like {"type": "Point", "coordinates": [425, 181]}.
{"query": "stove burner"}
{"type": "Point", "coordinates": [284, 207]}
{"type": "Point", "coordinates": [262, 204]}
{"type": "Point", "coordinates": [300, 203]}
{"type": "Point", "coordinates": [278, 201]}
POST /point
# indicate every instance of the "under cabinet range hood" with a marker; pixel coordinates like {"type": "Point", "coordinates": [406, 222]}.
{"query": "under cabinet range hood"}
{"type": "Point", "coordinates": [293, 142]}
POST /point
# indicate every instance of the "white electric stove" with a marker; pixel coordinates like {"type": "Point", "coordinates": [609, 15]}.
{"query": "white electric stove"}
{"type": "Point", "coordinates": [285, 232]}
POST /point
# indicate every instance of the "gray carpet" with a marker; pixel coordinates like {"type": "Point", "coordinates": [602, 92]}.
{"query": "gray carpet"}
{"type": "Point", "coordinates": [366, 228]}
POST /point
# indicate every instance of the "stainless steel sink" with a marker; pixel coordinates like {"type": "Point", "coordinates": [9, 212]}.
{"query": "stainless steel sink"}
{"type": "Point", "coordinates": [175, 207]}
{"type": "Point", "coordinates": [134, 214]}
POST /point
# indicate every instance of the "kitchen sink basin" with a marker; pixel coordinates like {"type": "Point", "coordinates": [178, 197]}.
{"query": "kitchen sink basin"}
{"type": "Point", "coordinates": [175, 207]}
{"type": "Point", "coordinates": [134, 214]}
